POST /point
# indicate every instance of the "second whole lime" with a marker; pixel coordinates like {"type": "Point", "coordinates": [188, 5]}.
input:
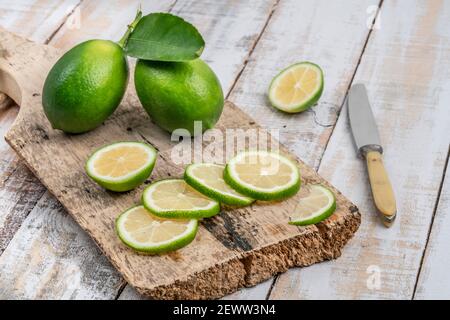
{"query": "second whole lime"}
{"type": "Point", "coordinates": [176, 94]}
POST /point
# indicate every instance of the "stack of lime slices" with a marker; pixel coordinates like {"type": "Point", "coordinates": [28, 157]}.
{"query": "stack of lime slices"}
{"type": "Point", "coordinates": [168, 217]}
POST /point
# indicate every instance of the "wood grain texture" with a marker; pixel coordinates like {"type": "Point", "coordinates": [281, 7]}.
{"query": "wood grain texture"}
{"type": "Point", "coordinates": [34, 19]}
{"type": "Point", "coordinates": [236, 248]}
{"type": "Point", "coordinates": [220, 24]}
{"type": "Point", "coordinates": [96, 21]}
{"type": "Point", "coordinates": [103, 19]}
{"type": "Point", "coordinates": [402, 68]}
{"type": "Point", "coordinates": [434, 279]}
{"type": "Point", "coordinates": [258, 292]}
{"type": "Point", "coordinates": [288, 39]}
{"type": "Point", "coordinates": [20, 190]}
{"type": "Point", "coordinates": [215, 26]}
{"type": "Point", "coordinates": [62, 262]}
{"type": "Point", "coordinates": [230, 30]}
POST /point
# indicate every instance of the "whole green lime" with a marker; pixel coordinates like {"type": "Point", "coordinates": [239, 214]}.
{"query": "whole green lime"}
{"type": "Point", "coordinates": [176, 94]}
{"type": "Point", "coordinates": [85, 86]}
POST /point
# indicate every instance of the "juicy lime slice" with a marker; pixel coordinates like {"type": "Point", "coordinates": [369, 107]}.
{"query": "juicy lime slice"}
{"type": "Point", "coordinates": [207, 178]}
{"type": "Point", "coordinates": [121, 166]}
{"type": "Point", "coordinates": [174, 198]}
{"type": "Point", "coordinates": [144, 232]}
{"type": "Point", "coordinates": [263, 175]}
{"type": "Point", "coordinates": [297, 87]}
{"type": "Point", "coordinates": [316, 204]}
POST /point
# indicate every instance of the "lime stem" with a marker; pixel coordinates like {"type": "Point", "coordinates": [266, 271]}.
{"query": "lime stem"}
{"type": "Point", "coordinates": [123, 41]}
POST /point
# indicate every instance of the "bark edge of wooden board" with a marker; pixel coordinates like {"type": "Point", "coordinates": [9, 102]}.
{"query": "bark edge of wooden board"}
{"type": "Point", "coordinates": [239, 247]}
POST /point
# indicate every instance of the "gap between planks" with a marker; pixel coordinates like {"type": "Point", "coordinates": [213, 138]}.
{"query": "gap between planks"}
{"type": "Point", "coordinates": [351, 81]}
{"type": "Point", "coordinates": [244, 65]}
{"type": "Point", "coordinates": [7, 102]}
{"type": "Point", "coordinates": [436, 205]}
{"type": "Point", "coordinates": [6, 106]}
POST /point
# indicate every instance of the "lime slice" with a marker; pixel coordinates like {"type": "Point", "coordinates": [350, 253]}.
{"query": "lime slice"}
{"type": "Point", "coordinates": [207, 178]}
{"type": "Point", "coordinates": [174, 198]}
{"type": "Point", "coordinates": [297, 87]}
{"type": "Point", "coordinates": [121, 166]}
{"type": "Point", "coordinates": [263, 175]}
{"type": "Point", "coordinates": [316, 204]}
{"type": "Point", "coordinates": [144, 232]}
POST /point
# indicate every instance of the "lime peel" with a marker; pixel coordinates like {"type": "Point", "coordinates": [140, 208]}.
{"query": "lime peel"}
{"type": "Point", "coordinates": [275, 192]}
{"type": "Point", "coordinates": [174, 198]}
{"type": "Point", "coordinates": [297, 87]}
{"type": "Point", "coordinates": [221, 192]}
{"type": "Point", "coordinates": [147, 228]}
{"type": "Point", "coordinates": [131, 179]}
{"type": "Point", "coordinates": [315, 207]}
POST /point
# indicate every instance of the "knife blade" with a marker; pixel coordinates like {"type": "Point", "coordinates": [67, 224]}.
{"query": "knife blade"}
{"type": "Point", "coordinates": [362, 122]}
{"type": "Point", "coordinates": [367, 140]}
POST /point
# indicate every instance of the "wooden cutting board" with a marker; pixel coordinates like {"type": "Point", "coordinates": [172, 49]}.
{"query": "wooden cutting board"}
{"type": "Point", "coordinates": [237, 248]}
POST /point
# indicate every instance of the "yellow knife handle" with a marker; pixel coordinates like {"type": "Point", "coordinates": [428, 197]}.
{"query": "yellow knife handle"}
{"type": "Point", "coordinates": [382, 192]}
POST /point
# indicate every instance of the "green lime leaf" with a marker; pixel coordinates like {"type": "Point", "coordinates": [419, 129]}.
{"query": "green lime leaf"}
{"type": "Point", "coordinates": [164, 37]}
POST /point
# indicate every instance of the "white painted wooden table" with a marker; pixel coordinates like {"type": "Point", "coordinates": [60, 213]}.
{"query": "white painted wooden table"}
{"type": "Point", "coordinates": [403, 57]}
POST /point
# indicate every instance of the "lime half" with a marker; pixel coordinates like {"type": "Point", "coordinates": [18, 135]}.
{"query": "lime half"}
{"type": "Point", "coordinates": [121, 166]}
{"type": "Point", "coordinates": [207, 178]}
{"type": "Point", "coordinates": [174, 198]}
{"type": "Point", "coordinates": [316, 204]}
{"type": "Point", "coordinates": [263, 175]}
{"type": "Point", "coordinates": [144, 232]}
{"type": "Point", "coordinates": [297, 87]}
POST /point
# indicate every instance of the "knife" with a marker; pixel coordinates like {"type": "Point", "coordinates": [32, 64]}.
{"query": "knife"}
{"type": "Point", "coordinates": [368, 143]}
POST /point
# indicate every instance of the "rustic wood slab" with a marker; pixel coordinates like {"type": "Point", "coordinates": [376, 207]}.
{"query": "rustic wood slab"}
{"type": "Point", "coordinates": [237, 248]}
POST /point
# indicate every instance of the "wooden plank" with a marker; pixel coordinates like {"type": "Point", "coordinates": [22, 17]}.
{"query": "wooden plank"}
{"type": "Point", "coordinates": [55, 259]}
{"type": "Point", "coordinates": [20, 190]}
{"type": "Point", "coordinates": [240, 246]}
{"type": "Point", "coordinates": [408, 90]}
{"type": "Point", "coordinates": [258, 292]}
{"type": "Point", "coordinates": [231, 30]}
{"type": "Point", "coordinates": [103, 20]}
{"type": "Point", "coordinates": [34, 19]}
{"type": "Point", "coordinates": [130, 293]}
{"type": "Point", "coordinates": [288, 39]}
{"type": "Point", "coordinates": [434, 279]}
